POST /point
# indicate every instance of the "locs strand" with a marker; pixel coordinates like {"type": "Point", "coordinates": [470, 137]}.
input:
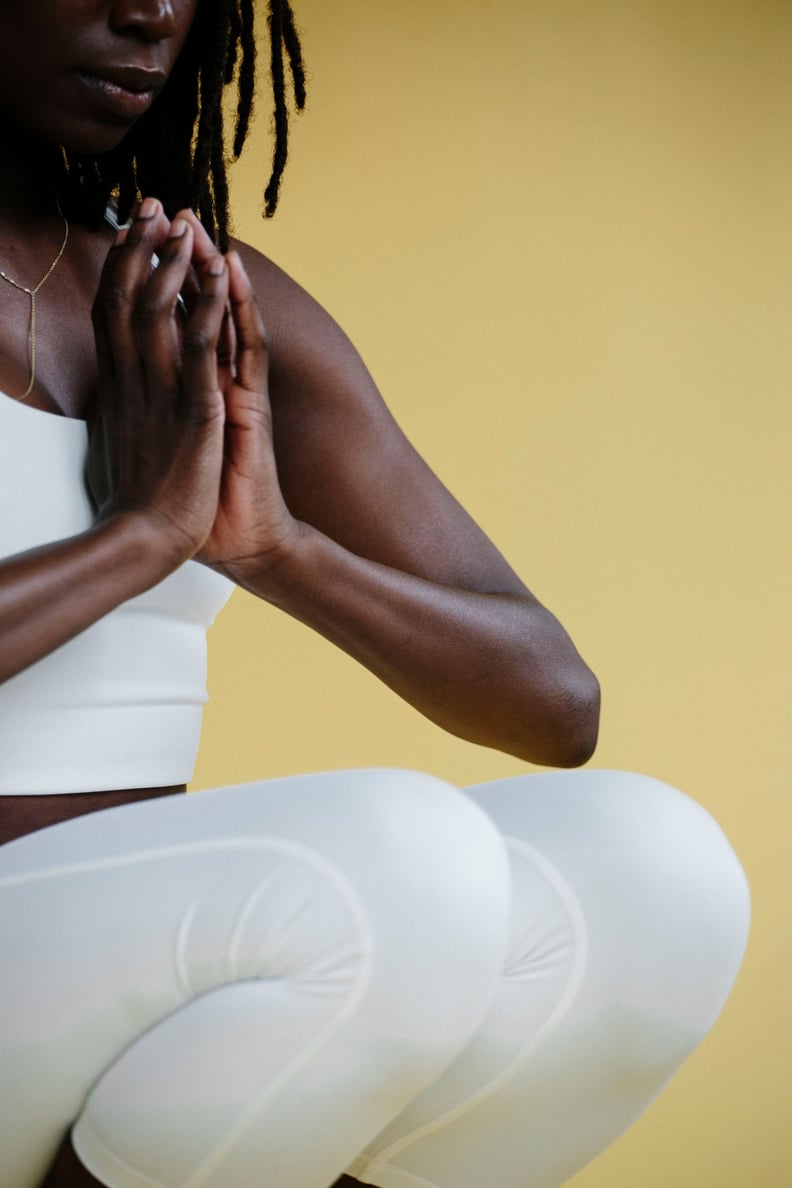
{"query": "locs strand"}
{"type": "Point", "coordinates": [177, 151]}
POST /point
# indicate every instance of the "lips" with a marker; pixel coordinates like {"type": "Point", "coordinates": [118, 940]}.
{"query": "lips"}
{"type": "Point", "coordinates": [124, 91]}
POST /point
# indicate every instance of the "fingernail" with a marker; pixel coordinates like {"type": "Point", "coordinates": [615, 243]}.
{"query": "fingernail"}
{"type": "Point", "coordinates": [236, 266]}
{"type": "Point", "coordinates": [178, 229]}
{"type": "Point", "coordinates": [147, 208]}
{"type": "Point", "coordinates": [217, 266]}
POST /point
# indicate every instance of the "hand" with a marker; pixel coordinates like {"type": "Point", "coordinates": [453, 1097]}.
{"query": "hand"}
{"type": "Point", "coordinates": [253, 529]}
{"type": "Point", "coordinates": [157, 426]}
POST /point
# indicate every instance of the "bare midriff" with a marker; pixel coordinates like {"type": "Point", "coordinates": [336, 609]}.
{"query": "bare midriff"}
{"type": "Point", "coordinates": [25, 814]}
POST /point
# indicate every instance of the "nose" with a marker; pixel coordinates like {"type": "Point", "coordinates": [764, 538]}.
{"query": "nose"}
{"type": "Point", "coordinates": [148, 20]}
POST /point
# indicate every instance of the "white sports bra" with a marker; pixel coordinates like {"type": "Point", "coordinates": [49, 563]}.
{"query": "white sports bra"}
{"type": "Point", "coordinates": [119, 706]}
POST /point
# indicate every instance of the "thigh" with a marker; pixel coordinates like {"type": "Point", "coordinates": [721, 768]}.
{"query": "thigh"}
{"type": "Point", "coordinates": [629, 921]}
{"type": "Point", "coordinates": [118, 921]}
{"type": "Point", "coordinates": [184, 975]}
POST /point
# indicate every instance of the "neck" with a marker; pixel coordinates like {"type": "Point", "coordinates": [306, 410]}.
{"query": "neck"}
{"type": "Point", "coordinates": [29, 172]}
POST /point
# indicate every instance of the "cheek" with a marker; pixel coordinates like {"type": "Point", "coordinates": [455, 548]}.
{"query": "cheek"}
{"type": "Point", "coordinates": [37, 90]}
{"type": "Point", "coordinates": [185, 13]}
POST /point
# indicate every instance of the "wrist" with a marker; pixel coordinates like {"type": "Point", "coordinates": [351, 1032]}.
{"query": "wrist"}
{"type": "Point", "coordinates": [272, 573]}
{"type": "Point", "coordinates": [146, 550]}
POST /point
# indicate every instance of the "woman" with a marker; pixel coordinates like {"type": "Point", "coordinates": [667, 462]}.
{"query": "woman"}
{"type": "Point", "coordinates": [357, 974]}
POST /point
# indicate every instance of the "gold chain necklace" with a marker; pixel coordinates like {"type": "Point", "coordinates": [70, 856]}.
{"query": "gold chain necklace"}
{"type": "Point", "coordinates": [32, 295]}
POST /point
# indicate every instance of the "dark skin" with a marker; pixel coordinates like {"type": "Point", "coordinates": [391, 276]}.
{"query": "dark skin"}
{"type": "Point", "coordinates": [316, 503]}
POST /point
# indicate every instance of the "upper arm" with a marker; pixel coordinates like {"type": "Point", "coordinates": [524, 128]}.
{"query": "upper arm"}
{"type": "Point", "coordinates": [344, 464]}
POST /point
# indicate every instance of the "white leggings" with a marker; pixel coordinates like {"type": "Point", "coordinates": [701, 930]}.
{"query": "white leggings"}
{"type": "Point", "coordinates": [264, 986]}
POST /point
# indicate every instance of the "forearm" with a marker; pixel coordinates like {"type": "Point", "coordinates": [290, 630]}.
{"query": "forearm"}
{"type": "Point", "coordinates": [494, 668]}
{"type": "Point", "coordinates": [50, 594]}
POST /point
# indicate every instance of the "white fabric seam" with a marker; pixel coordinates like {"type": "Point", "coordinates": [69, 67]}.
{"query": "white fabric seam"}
{"type": "Point", "coordinates": [578, 924]}
{"type": "Point", "coordinates": [357, 911]}
{"type": "Point", "coordinates": [365, 948]}
{"type": "Point", "coordinates": [133, 1178]}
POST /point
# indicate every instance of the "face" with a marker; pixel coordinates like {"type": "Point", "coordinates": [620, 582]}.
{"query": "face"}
{"type": "Point", "coordinates": [79, 73]}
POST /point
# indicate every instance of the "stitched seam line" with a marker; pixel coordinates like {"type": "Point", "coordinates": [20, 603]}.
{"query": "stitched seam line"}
{"type": "Point", "coordinates": [348, 897]}
{"type": "Point", "coordinates": [110, 1162]}
{"type": "Point", "coordinates": [570, 904]}
{"type": "Point", "coordinates": [352, 902]}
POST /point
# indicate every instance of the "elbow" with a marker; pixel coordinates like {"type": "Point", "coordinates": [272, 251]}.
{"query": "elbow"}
{"type": "Point", "coordinates": [572, 727]}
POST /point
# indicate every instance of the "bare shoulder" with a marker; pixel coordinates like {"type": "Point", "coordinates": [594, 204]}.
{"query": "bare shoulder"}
{"type": "Point", "coordinates": [280, 297]}
{"type": "Point", "coordinates": [306, 341]}
{"type": "Point", "coordinates": [329, 419]}
{"type": "Point", "coordinates": [344, 464]}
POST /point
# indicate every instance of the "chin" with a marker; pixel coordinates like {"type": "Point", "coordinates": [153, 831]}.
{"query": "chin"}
{"type": "Point", "coordinates": [93, 142]}
{"type": "Point", "coordinates": [69, 130]}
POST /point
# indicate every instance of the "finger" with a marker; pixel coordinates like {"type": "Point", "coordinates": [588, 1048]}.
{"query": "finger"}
{"type": "Point", "coordinates": [163, 230]}
{"type": "Point", "coordinates": [101, 300]}
{"type": "Point", "coordinates": [200, 386]}
{"type": "Point", "coordinates": [163, 235]}
{"type": "Point", "coordinates": [252, 346]}
{"type": "Point", "coordinates": [154, 316]}
{"type": "Point", "coordinates": [115, 347]}
{"type": "Point", "coordinates": [226, 351]}
{"type": "Point", "coordinates": [203, 247]}
{"type": "Point", "coordinates": [127, 267]}
{"type": "Point", "coordinates": [138, 242]}
{"type": "Point", "coordinates": [204, 250]}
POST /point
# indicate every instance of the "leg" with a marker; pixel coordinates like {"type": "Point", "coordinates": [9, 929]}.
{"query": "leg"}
{"type": "Point", "coordinates": [67, 1171]}
{"type": "Point", "coordinates": [256, 964]}
{"type": "Point", "coordinates": [629, 924]}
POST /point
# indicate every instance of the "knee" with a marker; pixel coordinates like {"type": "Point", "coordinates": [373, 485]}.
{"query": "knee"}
{"type": "Point", "coordinates": [663, 895]}
{"type": "Point", "coordinates": [692, 877]}
{"type": "Point", "coordinates": [433, 879]}
{"type": "Point", "coordinates": [420, 880]}
{"type": "Point", "coordinates": [436, 887]}
{"type": "Point", "coordinates": [686, 930]}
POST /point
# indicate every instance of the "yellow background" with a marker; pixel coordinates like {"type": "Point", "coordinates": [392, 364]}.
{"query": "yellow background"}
{"type": "Point", "coordinates": [559, 233]}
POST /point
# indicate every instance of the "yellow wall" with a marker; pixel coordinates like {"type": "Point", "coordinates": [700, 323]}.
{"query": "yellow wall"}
{"type": "Point", "coordinates": [559, 232]}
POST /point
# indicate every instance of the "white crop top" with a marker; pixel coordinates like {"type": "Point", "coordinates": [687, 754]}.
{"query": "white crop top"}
{"type": "Point", "coordinates": [118, 706]}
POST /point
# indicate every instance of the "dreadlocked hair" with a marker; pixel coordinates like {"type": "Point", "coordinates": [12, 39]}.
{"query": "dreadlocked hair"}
{"type": "Point", "coordinates": [177, 151]}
